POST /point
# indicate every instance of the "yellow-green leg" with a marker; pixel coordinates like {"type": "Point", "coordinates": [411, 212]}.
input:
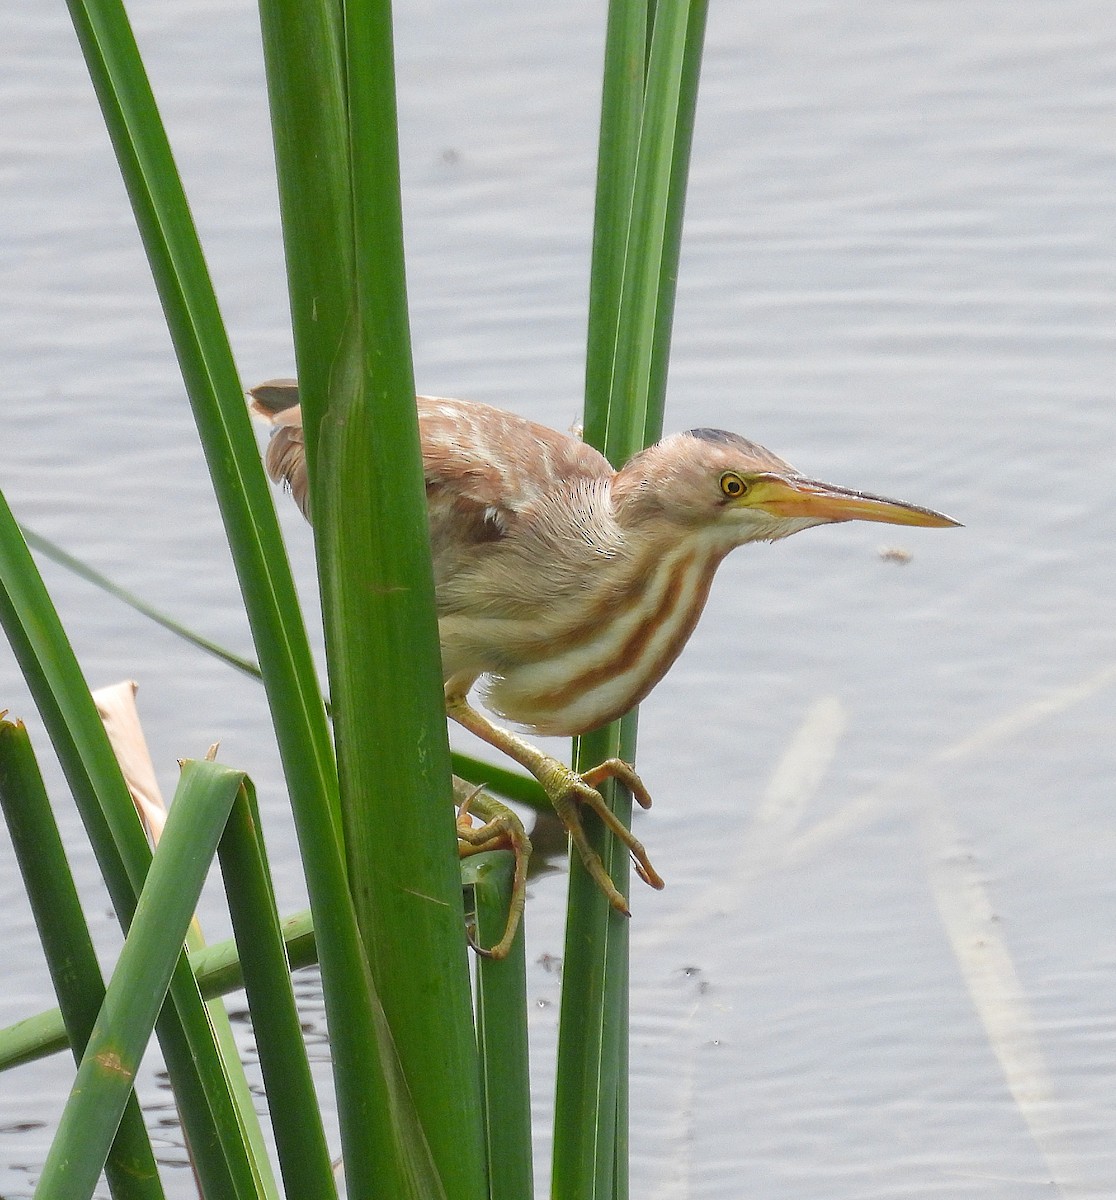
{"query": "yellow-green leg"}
{"type": "Point", "coordinates": [567, 790]}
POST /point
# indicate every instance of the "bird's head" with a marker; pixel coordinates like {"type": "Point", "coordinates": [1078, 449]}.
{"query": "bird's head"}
{"type": "Point", "coordinates": [740, 492]}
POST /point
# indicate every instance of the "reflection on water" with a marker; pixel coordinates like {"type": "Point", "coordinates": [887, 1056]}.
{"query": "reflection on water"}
{"type": "Point", "coordinates": [883, 962]}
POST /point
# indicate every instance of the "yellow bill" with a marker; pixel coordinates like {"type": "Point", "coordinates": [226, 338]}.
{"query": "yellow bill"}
{"type": "Point", "coordinates": [794, 497]}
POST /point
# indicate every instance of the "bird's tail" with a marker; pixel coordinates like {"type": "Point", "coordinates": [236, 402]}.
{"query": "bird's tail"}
{"type": "Point", "coordinates": [277, 402]}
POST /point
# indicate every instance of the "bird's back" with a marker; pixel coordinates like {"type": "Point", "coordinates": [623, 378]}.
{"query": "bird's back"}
{"type": "Point", "coordinates": [485, 469]}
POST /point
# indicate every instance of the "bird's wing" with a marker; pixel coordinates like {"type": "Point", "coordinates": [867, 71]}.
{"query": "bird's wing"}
{"type": "Point", "coordinates": [484, 467]}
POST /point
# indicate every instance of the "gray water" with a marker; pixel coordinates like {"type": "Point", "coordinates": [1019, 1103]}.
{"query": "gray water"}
{"type": "Point", "coordinates": [884, 962]}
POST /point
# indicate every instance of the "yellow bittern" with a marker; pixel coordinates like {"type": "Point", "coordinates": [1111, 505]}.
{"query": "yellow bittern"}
{"type": "Point", "coordinates": [571, 588]}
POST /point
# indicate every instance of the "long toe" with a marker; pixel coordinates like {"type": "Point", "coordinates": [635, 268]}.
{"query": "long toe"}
{"type": "Point", "coordinates": [591, 797]}
{"type": "Point", "coordinates": [567, 808]}
{"type": "Point", "coordinates": [622, 772]}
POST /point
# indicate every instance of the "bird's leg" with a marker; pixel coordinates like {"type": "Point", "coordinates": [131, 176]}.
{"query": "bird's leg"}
{"type": "Point", "coordinates": [566, 790]}
{"type": "Point", "coordinates": [502, 830]}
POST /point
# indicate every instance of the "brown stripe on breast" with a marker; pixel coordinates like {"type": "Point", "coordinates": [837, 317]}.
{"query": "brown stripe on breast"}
{"type": "Point", "coordinates": [599, 612]}
{"type": "Point", "coordinates": [635, 645]}
{"type": "Point", "coordinates": [642, 687]}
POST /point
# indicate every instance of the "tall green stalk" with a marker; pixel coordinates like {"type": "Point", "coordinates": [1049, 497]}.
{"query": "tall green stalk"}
{"type": "Point", "coordinates": [502, 1033]}
{"type": "Point", "coordinates": [296, 1117]}
{"type": "Point", "coordinates": [368, 500]}
{"type": "Point", "coordinates": [388, 698]}
{"type": "Point", "coordinates": [652, 57]}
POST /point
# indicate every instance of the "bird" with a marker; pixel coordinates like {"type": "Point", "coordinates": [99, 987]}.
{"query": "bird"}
{"type": "Point", "coordinates": [566, 588]}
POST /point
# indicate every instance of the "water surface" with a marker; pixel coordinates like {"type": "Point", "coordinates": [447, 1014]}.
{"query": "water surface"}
{"type": "Point", "coordinates": [883, 964]}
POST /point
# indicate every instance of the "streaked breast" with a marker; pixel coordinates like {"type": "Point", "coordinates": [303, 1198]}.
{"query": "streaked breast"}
{"type": "Point", "coordinates": [597, 671]}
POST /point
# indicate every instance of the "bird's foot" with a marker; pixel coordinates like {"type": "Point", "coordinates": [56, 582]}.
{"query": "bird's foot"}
{"type": "Point", "coordinates": [502, 830]}
{"type": "Point", "coordinates": [568, 790]}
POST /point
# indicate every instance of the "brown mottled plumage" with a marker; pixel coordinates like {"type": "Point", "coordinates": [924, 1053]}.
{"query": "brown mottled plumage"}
{"type": "Point", "coordinates": [569, 587]}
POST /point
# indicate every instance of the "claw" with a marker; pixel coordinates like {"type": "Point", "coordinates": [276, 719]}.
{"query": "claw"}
{"type": "Point", "coordinates": [502, 830]}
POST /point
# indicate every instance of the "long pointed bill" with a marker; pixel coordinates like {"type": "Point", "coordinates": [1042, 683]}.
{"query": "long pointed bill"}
{"type": "Point", "coordinates": [795, 497]}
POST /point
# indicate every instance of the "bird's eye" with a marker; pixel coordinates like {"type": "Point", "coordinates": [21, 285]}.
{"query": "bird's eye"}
{"type": "Point", "coordinates": [732, 486]}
